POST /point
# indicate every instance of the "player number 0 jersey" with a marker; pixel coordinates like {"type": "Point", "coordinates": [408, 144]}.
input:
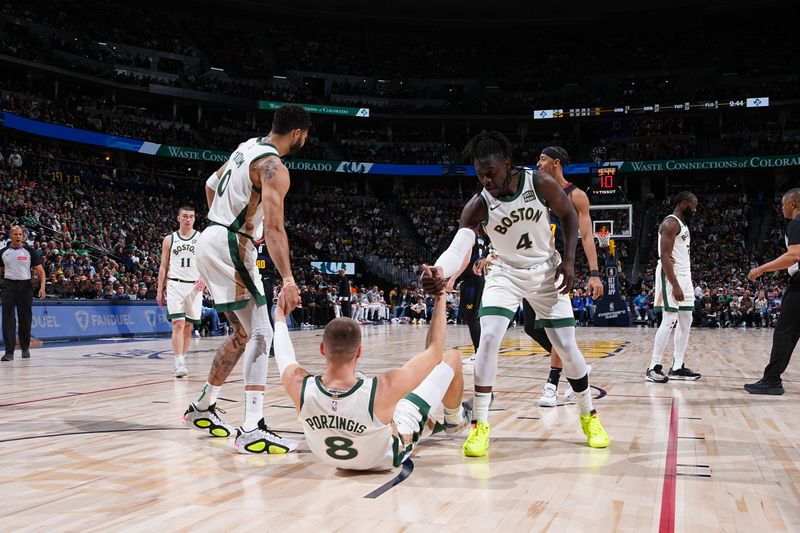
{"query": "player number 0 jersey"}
{"type": "Point", "coordinates": [237, 202]}
{"type": "Point", "coordinates": [680, 250]}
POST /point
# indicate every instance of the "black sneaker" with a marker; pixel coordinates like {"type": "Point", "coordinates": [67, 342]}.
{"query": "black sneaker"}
{"type": "Point", "coordinates": [656, 375]}
{"type": "Point", "coordinates": [7, 357]}
{"type": "Point", "coordinates": [764, 387]}
{"type": "Point", "coordinates": [684, 374]}
{"type": "Point", "coordinates": [26, 354]}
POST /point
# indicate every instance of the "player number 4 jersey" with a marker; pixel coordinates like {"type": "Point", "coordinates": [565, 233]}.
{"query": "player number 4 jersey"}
{"type": "Point", "coordinates": [519, 225]}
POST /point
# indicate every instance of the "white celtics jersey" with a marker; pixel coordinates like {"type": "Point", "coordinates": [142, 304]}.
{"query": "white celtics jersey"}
{"type": "Point", "coordinates": [182, 265]}
{"type": "Point", "coordinates": [519, 225]}
{"type": "Point", "coordinates": [340, 428]}
{"type": "Point", "coordinates": [680, 250]}
{"type": "Point", "coordinates": [237, 203]}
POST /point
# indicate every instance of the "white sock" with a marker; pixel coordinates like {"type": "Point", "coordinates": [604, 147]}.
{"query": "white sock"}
{"type": "Point", "coordinates": [662, 337]}
{"type": "Point", "coordinates": [482, 401]}
{"type": "Point", "coordinates": [179, 359]}
{"type": "Point", "coordinates": [453, 416]}
{"type": "Point", "coordinates": [681, 339]}
{"type": "Point", "coordinates": [207, 397]}
{"type": "Point", "coordinates": [254, 409]}
{"type": "Point", "coordinates": [585, 401]}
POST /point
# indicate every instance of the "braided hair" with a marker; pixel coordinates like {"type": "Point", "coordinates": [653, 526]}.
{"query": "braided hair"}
{"type": "Point", "coordinates": [487, 144]}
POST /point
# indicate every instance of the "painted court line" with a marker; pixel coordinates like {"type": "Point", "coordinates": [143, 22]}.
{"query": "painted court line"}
{"type": "Point", "coordinates": [76, 394]}
{"type": "Point", "coordinates": [667, 520]}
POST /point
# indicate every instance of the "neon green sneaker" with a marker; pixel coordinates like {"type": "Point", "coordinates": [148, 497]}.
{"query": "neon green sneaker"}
{"type": "Point", "coordinates": [477, 444]}
{"type": "Point", "coordinates": [595, 433]}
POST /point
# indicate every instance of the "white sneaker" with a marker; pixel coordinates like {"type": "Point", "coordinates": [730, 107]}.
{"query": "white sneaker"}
{"type": "Point", "coordinates": [549, 396]}
{"type": "Point", "coordinates": [569, 394]}
{"type": "Point", "coordinates": [180, 369]}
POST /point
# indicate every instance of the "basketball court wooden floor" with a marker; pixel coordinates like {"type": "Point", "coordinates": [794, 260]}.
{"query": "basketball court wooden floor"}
{"type": "Point", "coordinates": [91, 440]}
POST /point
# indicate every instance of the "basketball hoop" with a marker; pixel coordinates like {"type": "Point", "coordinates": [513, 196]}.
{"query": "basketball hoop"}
{"type": "Point", "coordinates": [603, 239]}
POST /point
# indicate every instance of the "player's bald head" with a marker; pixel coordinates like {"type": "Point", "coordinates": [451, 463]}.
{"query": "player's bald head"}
{"type": "Point", "coordinates": [793, 195]}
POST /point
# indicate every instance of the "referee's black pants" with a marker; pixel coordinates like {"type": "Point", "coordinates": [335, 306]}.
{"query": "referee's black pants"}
{"type": "Point", "coordinates": [787, 333]}
{"type": "Point", "coordinates": [17, 295]}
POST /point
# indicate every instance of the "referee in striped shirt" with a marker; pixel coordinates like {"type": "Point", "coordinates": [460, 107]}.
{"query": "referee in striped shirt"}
{"type": "Point", "coordinates": [17, 261]}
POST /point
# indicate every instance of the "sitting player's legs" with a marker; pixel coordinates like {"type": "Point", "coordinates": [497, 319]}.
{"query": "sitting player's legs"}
{"type": "Point", "coordinates": [444, 385]}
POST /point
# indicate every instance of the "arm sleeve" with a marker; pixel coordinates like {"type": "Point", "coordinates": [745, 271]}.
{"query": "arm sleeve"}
{"type": "Point", "coordinates": [451, 259]}
{"type": "Point", "coordinates": [284, 351]}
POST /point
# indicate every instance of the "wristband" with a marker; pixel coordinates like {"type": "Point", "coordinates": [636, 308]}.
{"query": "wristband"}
{"type": "Point", "coordinates": [594, 273]}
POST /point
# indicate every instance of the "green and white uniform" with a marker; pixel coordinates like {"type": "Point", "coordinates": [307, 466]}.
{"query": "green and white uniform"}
{"type": "Point", "coordinates": [183, 300]}
{"type": "Point", "coordinates": [519, 229]}
{"type": "Point", "coordinates": [683, 271]}
{"type": "Point", "coordinates": [342, 431]}
{"type": "Point", "coordinates": [226, 255]}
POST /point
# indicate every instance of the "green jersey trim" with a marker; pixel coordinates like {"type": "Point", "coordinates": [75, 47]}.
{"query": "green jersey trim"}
{"type": "Point", "coordinates": [189, 238]}
{"type": "Point", "coordinates": [522, 175]}
{"type": "Point", "coordinates": [501, 311]}
{"type": "Point", "coordinates": [323, 390]}
{"type": "Point", "coordinates": [303, 390]}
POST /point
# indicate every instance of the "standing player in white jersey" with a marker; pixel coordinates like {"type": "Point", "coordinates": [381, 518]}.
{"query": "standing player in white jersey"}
{"type": "Point", "coordinates": [184, 288]}
{"type": "Point", "coordinates": [371, 423]}
{"type": "Point", "coordinates": [246, 198]}
{"type": "Point", "coordinates": [674, 290]}
{"type": "Point", "coordinates": [513, 208]}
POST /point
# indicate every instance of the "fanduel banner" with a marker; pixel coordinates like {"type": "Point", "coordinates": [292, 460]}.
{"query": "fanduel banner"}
{"type": "Point", "coordinates": [320, 109]}
{"type": "Point", "coordinates": [82, 319]}
{"type": "Point", "coordinates": [332, 267]}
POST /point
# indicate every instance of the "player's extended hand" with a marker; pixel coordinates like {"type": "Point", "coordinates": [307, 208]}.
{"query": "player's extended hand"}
{"type": "Point", "coordinates": [432, 279]}
{"type": "Point", "coordinates": [484, 265]}
{"type": "Point", "coordinates": [199, 285]}
{"type": "Point", "coordinates": [677, 293]}
{"type": "Point", "coordinates": [567, 273]}
{"type": "Point", "coordinates": [292, 295]}
{"type": "Point", "coordinates": [754, 274]}
{"type": "Point", "coordinates": [595, 288]}
{"type": "Point", "coordinates": [160, 299]}
{"type": "Point", "coordinates": [282, 309]}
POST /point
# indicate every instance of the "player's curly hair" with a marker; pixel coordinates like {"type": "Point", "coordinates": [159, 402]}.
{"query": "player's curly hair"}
{"type": "Point", "coordinates": [683, 196]}
{"type": "Point", "coordinates": [487, 144]}
{"type": "Point", "coordinates": [289, 117]}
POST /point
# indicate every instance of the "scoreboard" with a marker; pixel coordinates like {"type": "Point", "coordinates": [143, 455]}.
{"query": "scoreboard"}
{"type": "Point", "coordinates": [605, 187]}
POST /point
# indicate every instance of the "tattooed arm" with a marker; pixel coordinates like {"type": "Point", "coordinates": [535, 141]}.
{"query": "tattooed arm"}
{"type": "Point", "coordinates": [273, 178]}
{"type": "Point", "coordinates": [229, 353]}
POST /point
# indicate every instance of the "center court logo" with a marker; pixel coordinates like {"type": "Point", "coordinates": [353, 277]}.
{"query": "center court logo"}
{"type": "Point", "coordinates": [591, 349]}
{"type": "Point", "coordinates": [82, 318]}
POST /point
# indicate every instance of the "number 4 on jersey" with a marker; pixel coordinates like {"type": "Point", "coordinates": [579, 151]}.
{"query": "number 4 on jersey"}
{"type": "Point", "coordinates": [524, 242]}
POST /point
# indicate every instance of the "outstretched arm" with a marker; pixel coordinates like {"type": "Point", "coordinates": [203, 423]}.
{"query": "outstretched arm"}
{"type": "Point", "coordinates": [451, 260]}
{"type": "Point", "coordinates": [292, 374]}
{"type": "Point", "coordinates": [395, 384]}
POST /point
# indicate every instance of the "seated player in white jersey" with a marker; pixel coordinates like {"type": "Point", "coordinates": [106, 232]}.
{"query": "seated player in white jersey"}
{"type": "Point", "coordinates": [514, 208]}
{"type": "Point", "coordinates": [674, 291]}
{"type": "Point", "coordinates": [371, 423]}
{"type": "Point", "coordinates": [246, 197]}
{"type": "Point", "coordinates": [184, 288]}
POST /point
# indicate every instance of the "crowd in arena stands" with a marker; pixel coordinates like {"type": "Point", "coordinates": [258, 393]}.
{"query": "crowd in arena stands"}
{"type": "Point", "coordinates": [87, 41]}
